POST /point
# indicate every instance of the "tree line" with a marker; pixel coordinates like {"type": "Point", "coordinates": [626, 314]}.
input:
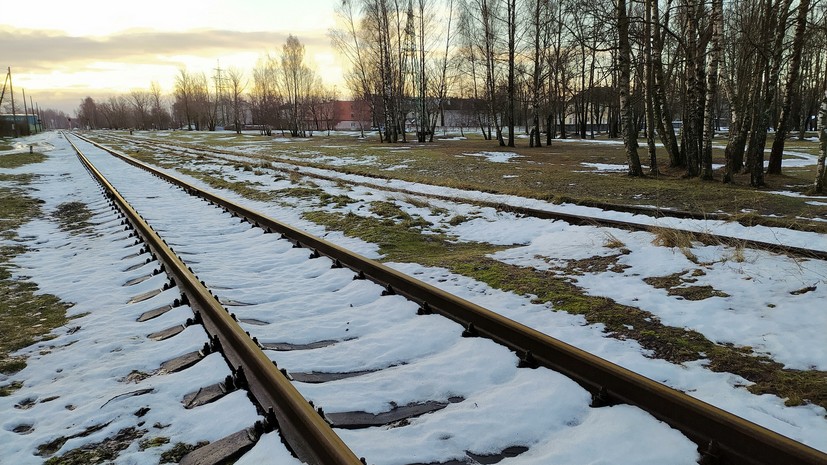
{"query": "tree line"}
{"type": "Point", "coordinates": [669, 71]}
{"type": "Point", "coordinates": [284, 93]}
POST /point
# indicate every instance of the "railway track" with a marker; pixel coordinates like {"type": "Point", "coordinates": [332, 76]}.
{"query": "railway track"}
{"type": "Point", "coordinates": [720, 437]}
{"type": "Point", "coordinates": [632, 224]}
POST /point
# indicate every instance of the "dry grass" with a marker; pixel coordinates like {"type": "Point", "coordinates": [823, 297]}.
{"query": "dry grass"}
{"type": "Point", "coordinates": [550, 173]}
{"type": "Point", "coordinates": [673, 238]}
{"type": "Point", "coordinates": [612, 242]}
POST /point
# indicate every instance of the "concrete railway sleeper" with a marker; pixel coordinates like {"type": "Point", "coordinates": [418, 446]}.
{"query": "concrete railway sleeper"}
{"type": "Point", "coordinates": [720, 436]}
{"type": "Point", "coordinates": [310, 437]}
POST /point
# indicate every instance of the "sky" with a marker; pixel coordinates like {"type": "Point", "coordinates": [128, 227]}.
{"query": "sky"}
{"type": "Point", "coordinates": [61, 51]}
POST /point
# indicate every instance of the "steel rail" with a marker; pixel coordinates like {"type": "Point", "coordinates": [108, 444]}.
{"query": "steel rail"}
{"type": "Point", "coordinates": [310, 437]}
{"type": "Point", "coordinates": [721, 435]}
{"type": "Point", "coordinates": [583, 220]}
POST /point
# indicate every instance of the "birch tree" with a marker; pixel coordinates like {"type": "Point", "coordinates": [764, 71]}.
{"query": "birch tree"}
{"type": "Point", "coordinates": [627, 123]}
{"type": "Point", "coordinates": [821, 174]}
{"type": "Point", "coordinates": [712, 88]}
{"type": "Point", "coordinates": [237, 84]}
{"type": "Point", "coordinates": [777, 153]}
{"type": "Point", "coordinates": [775, 14]}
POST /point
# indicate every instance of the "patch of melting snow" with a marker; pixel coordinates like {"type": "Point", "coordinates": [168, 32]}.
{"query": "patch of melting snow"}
{"type": "Point", "coordinates": [495, 157]}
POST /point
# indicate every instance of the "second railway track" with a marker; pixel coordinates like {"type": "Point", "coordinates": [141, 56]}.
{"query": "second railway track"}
{"type": "Point", "coordinates": [311, 317]}
{"type": "Point", "coordinates": [629, 218]}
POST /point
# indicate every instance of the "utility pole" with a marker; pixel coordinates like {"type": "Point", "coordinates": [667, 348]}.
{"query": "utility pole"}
{"type": "Point", "coordinates": [220, 101]}
{"type": "Point", "coordinates": [31, 105]}
{"type": "Point", "coordinates": [13, 109]}
{"type": "Point", "coordinates": [25, 117]}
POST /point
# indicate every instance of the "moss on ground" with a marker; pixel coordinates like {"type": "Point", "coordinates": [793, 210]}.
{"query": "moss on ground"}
{"type": "Point", "coordinates": [16, 160]}
{"type": "Point", "coordinates": [100, 452]}
{"type": "Point", "coordinates": [178, 451]}
{"type": "Point", "coordinates": [676, 284]}
{"type": "Point", "coordinates": [217, 181]}
{"type": "Point", "coordinates": [156, 441]}
{"type": "Point", "coordinates": [73, 217]}
{"type": "Point", "coordinates": [25, 315]}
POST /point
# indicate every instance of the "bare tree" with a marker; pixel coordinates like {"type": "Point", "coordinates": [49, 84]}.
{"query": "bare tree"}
{"type": "Point", "coordinates": [775, 15]}
{"type": "Point", "coordinates": [160, 116]}
{"type": "Point", "coordinates": [296, 80]}
{"type": "Point", "coordinates": [739, 65]}
{"type": "Point", "coordinates": [511, 25]}
{"type": "Point", "coordinates": [202, 103]}
{"type": "Point", "coordinates": [237, 84]}
{"type": "Point", "coordinates": [712, 88]}
{"type": "Point", "coordinates": [650, 87]}
{"type": "Point", "coordinates": [87, 113]}
{"type": "Point", "coordinates": [540, 22]}
{"type": "Point", "coordinates": [349, 39]}
{"type": "Point", "coordinates": [184, 93]}
{"type": "Point", "coordinates": [821, 177]}
{"type": "Point", "coordinates": [442, 78]}
{"type": "Point", "coordinates": [141, 101]}
{"type": "Point", "coordinates": [624, 54]}
{"type": "Point", "coordinates": [777, 153]}
{"type": "Point", "coordinates": [265, 97]}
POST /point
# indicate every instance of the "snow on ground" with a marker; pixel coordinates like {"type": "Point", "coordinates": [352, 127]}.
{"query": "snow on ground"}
{"type": "Point", "coordinates": [270, 277]}
{"type": "Point", "coordinates": [78, 379]}
{"type": "Point", "coordinates": [760, 310]}
{"type": "Point", "coordinates": [721, 227]}
{"type": "Point", "coordinates": [772, 330]}
{"type": "Point", "coordinates": [614, 168]}
{"type": "Point", "coordinates": [495, 157]}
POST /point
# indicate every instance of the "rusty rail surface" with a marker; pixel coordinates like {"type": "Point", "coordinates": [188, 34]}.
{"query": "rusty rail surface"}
{"type": "Point", "coordinates": [310, 437]}
{"type": "Point", "coordinates": [722, 437]}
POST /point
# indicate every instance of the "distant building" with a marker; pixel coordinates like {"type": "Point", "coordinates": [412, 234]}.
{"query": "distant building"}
{"type": "Point", "coordinates": [18, 125]}
{"type": "Point", "coordinates": [350, 115]}
{"type": "Point", "coordinates": [452, 113]}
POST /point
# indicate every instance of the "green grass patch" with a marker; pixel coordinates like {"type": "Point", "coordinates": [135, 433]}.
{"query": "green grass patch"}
{"type": "Point", "coordinates": [25, 315]}
{"type": "Point", "coordinates": [338, 201]}
{"type": "Point", "coordinates": [95, 453]}
{"type": "Point", "coordinates": [458, 219]}
{"type": "Point", "coordinates": [16, 160]}
{"type": "Point", "coordinates": [392, 212]}
{"type": "Point", "coordinates": [73, 217]}
{"type": "Point", "coordinates": [676, 284]}
{"type": "Point", "coordinates": [9, 389]}
{"type": "Point", "coordinates": [245, 189]}
{"type": "Point", "coordinates": [157, 441]}
{"type": "Point", "coordinates": [178, 451]}
{"type": "Point", "coordinates": [302, 192]}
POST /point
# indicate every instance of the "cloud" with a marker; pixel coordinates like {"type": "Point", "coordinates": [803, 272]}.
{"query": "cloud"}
{"type": "Point", "coordinates": [59, 69]}
{"type": "Point", "coordinates": [37, 51]}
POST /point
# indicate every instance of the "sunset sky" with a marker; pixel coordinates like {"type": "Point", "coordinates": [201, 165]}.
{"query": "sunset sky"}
{"type": "Point", "coordinates": [62, 51]}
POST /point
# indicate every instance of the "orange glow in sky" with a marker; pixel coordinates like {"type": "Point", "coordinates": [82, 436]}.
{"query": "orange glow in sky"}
{"type": "Point", "coordinates": [61, 51]}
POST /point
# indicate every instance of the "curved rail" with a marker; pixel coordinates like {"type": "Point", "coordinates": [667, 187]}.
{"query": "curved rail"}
{"type": "Point", "coordinates": [724, 438]}
{"type": "Point", "coordinates": [310, 437]}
